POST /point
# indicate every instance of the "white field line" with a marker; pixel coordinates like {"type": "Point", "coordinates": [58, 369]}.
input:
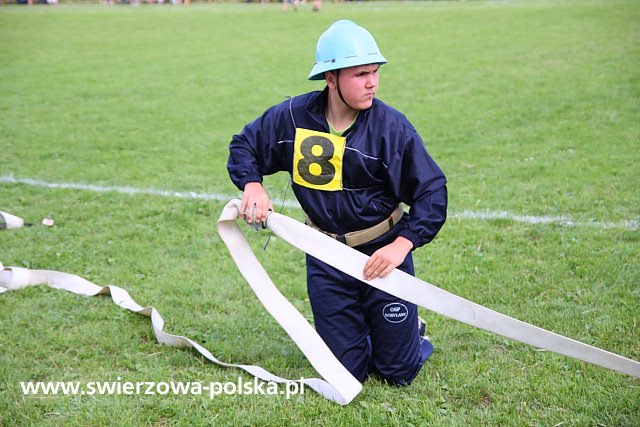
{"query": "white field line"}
{"type": "Point", "coordinates": [473, 215]}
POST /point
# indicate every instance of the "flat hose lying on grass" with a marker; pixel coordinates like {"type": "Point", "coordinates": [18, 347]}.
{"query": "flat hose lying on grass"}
{"type": "Point", "coordinates": [337, 383]}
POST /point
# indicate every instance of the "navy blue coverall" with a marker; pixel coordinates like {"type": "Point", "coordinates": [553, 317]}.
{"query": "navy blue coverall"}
{"type": "Point", "coordinates": [382, 163]}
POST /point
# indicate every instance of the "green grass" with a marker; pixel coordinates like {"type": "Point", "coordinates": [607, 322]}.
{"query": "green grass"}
{"type": "Point", "coordinates": [529, 107]}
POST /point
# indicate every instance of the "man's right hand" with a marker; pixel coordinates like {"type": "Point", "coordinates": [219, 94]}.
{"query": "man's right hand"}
{"type": "Point", "coordinates": [255, 204]}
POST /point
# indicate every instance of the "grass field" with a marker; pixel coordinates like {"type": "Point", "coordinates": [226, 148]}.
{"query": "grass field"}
{"type": "Point", "coordinates": [531, 108]}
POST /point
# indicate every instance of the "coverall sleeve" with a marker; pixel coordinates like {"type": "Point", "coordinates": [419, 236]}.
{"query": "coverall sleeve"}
{"type": "Point", "coordinates": [420, 184]}
{"type": "Point", "coordinates": [258, 150]}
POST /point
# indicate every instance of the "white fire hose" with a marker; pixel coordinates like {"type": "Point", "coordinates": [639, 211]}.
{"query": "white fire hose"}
{"type": "Point", "coordinates": [337, 383]}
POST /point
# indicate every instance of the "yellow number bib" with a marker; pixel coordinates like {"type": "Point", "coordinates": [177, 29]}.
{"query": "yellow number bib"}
{"type": "Point", "coordinates": [317, 159]}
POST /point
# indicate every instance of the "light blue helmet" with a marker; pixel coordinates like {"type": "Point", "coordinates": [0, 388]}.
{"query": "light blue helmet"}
{"type": "Point", "coordinates": [344, 44]}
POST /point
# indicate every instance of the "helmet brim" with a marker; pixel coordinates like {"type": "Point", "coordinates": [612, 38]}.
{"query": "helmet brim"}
{"type": "Point", "coordinates": [317, 72]}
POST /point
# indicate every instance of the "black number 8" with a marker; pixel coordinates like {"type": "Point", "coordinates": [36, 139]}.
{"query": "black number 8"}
{"type": "Point", "coordinates": [327, 170]}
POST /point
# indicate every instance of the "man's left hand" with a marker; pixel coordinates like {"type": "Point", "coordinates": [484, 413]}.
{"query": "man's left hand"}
{"type": "Point", "coordinates": [387, 258]}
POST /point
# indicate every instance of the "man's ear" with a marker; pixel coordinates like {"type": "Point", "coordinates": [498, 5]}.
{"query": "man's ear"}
{"type": "Point", "coordinates": [331, 77]}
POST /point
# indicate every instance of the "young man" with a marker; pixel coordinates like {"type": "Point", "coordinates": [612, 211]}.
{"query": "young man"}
{"type": "Point", "coordinates": [353, 161]}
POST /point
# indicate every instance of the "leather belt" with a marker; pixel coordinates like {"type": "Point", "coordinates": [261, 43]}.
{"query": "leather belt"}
{"type": "Point", "coordinates": [360, 237]}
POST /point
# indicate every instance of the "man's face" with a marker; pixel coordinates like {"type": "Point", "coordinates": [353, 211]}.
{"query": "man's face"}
{"type": "Point", "coordinates": [359, 85]}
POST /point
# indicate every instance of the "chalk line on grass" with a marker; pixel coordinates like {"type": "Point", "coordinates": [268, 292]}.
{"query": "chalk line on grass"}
{"type": "Point", "coordinates": [467, 214]}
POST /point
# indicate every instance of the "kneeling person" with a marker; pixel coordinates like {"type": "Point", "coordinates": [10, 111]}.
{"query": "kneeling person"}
{"type": "Point", "coordinates": [354, 161]}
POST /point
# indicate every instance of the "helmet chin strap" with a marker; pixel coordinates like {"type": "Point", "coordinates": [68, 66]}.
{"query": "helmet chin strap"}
{"type": "Point", "coordinates": [340, 91]}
